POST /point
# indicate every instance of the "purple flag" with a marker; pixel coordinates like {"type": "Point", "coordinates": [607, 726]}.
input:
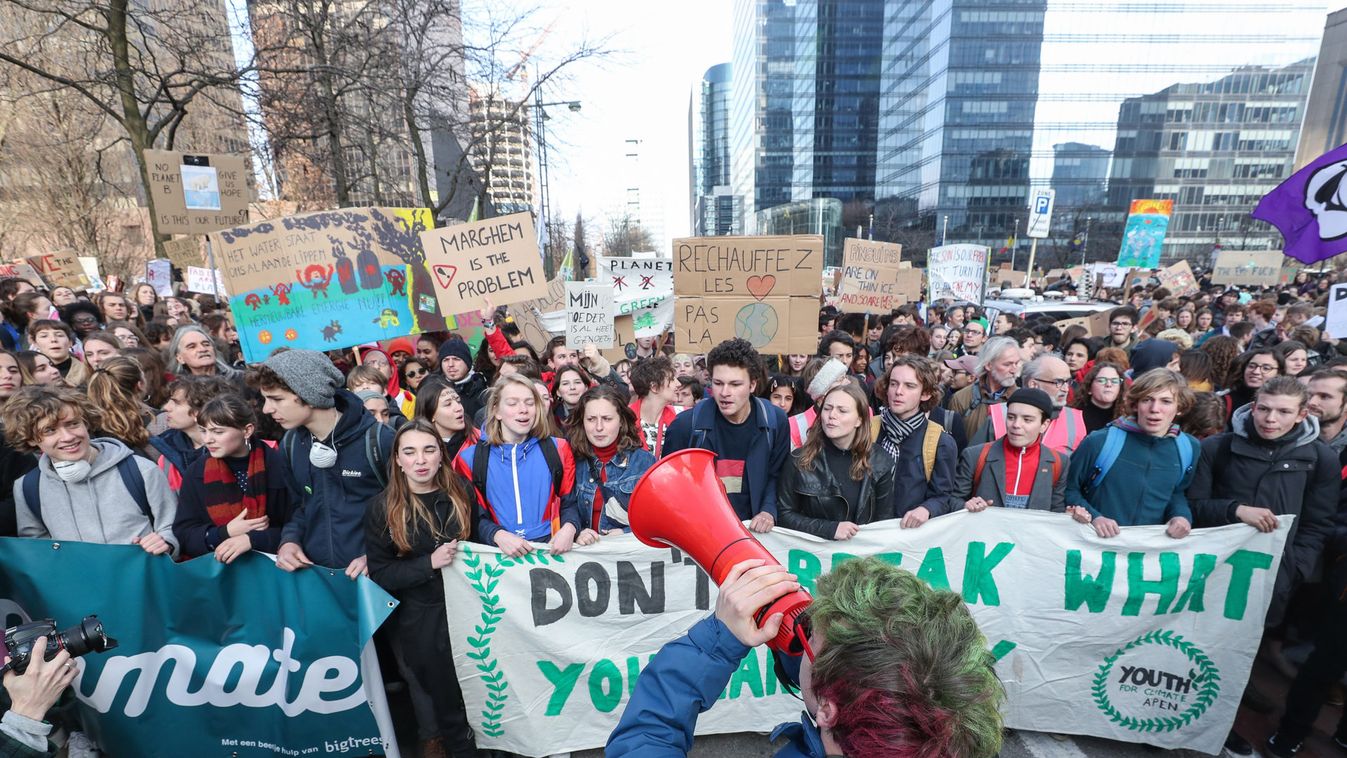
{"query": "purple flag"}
{"type": "Point", "coordinates": [1310, 208]}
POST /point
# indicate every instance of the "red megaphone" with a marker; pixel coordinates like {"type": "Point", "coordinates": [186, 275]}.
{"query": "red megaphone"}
{"type": "Point", "coordinates": [680, 502]}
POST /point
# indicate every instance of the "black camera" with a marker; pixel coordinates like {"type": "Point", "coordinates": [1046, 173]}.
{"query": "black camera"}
{"type": "Point", "coordinates": [86, 636]}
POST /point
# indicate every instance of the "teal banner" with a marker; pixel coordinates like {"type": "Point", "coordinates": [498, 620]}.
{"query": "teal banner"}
{"type": "Point", "coordinates": [241, 660]}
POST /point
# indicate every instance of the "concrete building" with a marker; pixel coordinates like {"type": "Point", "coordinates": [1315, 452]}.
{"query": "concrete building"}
{"type": "Point", "coordinates": [502, 151]}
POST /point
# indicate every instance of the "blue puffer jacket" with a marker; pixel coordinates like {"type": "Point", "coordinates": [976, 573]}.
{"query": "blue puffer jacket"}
{"type": "Point", "coordinates": [329, 524]}
{"type": "Point", "coordinates": [1144, 487]}
{"type": "Point", "coordinates": [682, 682]}
{"type": "Point", "coordinates": [622, 472]}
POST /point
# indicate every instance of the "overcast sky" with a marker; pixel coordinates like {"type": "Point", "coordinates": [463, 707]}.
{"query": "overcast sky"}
{"type": "Point", "coordinates": [641, 93]}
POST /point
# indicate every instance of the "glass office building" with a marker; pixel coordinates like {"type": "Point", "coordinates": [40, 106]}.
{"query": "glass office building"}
{"type": "Point", "coordinates": [716, 210]}
{"type": "Point", "coordinates": [984, 100]}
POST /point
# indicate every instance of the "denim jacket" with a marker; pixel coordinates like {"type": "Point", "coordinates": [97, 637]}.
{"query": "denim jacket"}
{"type": "Point", "coordinates": [623, 472]}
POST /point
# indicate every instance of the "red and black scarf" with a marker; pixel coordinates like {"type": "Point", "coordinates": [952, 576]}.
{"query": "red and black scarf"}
{"type": "Point", "coordinates": [222, 495]}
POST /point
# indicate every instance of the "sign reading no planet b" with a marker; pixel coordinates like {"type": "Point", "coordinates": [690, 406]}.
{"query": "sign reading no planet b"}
{"type": "Point", "coordinates": [590, 315]}
{"type": "Point", "coordinates": [1138, 638]}
{"type": "Point", "coordinates": [198, 193]}
{"type": "Point", "coordinates": [495, 259]}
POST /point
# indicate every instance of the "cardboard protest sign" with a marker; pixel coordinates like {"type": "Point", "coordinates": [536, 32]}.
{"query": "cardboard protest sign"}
{"type": "Point", "coordinates": [21, 270]}
{"type": "Point", "coordinates": [207, 281]}
{"type": "Point", "coordinates": [1185, 615]}
{"type": "Point", "coordinates": [1005, 278]}
{"type": "Point", "coordinates": [1245, 268]}
{"type": "Point", "coordinates": [60, 269]}
{"type": "Point", "coordinates": [643, 289]}
{"type": "Point", "coordinates": [159, 274]}
{"type": "Point", "coordinates": [185, 251]}
{"type": "Point", "coordinates": [329, 280]}
{"type": "Point", "coordinates": [868, 280]}
{"type": "Point", "coordinates": [494, 259]}
{"type": "Point", "coordinates": [624, 344]}
{"type": "Point", "coordinates": [590, 312]}
{"type": "Point", "coordinates": [1178, 279]}
{"type": "Point", "coordinates": [957, 272]}
{"type": "Point", "coordinates": [1096, 324]}
{"type": "Point", "coordinates": [762, 289]}
{"type": "Point", "coordinates": [198, 193]}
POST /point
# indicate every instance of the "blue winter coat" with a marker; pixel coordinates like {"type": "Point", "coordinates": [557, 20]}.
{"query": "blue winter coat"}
{"type": "Point", "coordinates": [329, 524]}
{"type": "Point", "coordinates": [1145, 486]}
{"type": "Point", "coordinates": [683, 681]}
{"type": "Point", "coordinates": [762, 462]}
{"type": "Point", "coordinates": [623, 472]}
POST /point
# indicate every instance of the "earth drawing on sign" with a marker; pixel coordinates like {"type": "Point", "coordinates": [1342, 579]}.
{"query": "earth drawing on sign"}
{"type": "Point", "coordinates": [757, 323]}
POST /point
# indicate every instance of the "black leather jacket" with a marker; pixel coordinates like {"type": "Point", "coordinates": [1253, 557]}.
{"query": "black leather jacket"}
{"type": "Point", "coordinates": [811, 501]}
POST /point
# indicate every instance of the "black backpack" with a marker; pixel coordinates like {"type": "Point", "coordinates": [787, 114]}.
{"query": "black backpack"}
{"type": "Point", "coordinates": [373, 455]}
{"type": "Point", "coordinates": [132, 479]}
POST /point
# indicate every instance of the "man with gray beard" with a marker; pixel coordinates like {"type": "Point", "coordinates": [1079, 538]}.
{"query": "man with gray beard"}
{"type": "Point", "coordinates": [997, 374]}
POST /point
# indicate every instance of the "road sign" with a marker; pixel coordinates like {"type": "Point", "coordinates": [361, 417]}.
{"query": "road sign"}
{"type": "Point", "coordinates": [1040, 213]}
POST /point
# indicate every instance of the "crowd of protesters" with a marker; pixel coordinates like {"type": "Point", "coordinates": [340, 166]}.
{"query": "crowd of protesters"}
{"type": "Point", "coordinates": [132, 419]}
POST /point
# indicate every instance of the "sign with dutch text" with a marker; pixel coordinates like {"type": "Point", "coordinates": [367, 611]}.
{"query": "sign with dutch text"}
{"type": "Point", "coordinates": [590, 313]}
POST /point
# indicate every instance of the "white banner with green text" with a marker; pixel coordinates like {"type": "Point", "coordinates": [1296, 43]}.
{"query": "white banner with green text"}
{"type": "Point", "coordinates": [1139, 638]}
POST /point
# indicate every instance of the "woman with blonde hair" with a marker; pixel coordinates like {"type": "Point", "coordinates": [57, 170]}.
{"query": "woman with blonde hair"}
{"type": "Point", "coordinates": [412, 530]}
{"type": "Point", "coordinates": [838, 479]}
{"type": "Point", "coordinates": [115, 388]}
{"type": "Point", "coordinates": [520, 473]}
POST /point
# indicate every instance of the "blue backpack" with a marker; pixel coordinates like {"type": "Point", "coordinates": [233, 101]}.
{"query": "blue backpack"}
{"type": "Point", "coordinates": [1113, 445]}
{"type": "Point", "coordinates": [132, 479]}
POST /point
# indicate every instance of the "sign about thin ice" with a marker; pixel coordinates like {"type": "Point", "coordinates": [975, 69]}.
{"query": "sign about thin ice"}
{"type": "Point", "coordinates": [590, 315]}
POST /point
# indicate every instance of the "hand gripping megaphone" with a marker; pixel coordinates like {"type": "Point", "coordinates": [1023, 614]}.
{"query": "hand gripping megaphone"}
{"type": "Point", "coordinates": [681, 503]}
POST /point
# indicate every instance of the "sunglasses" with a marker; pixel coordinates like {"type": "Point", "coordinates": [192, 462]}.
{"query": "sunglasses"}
{"type": "Point", "coordinates": [414, 374]}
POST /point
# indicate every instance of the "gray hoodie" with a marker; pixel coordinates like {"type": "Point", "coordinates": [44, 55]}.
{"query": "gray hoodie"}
{"type": "Point", "coordinates": [98, 509]}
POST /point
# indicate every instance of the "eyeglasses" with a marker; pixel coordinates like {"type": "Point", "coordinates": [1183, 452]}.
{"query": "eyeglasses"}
{"type": "Point", "coordinates": [1120, 323]}
{"type": "Point", "coordinates": [1058, 383]}
{"type": "Point", "coordinates": [1107, 382]}
{"type": "Point", "coordinates": [977, 331]}
{"type": "Point", "coordinates": [1262, 368]}
{"type": "Point", "coordinates": [413, 374]}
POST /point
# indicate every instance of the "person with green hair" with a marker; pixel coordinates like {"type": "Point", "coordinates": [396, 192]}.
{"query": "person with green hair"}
{"type": "Point", "coordinates": [892, 667]}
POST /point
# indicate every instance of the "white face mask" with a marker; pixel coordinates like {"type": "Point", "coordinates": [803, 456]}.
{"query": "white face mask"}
{"type": "Point", "coordinates": [72, 471]}
{"type": "Point", "coordinates": [322, 456]}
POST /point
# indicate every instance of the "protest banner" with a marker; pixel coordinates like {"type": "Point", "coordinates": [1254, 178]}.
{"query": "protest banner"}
{"type": "Point", "coordinates": [762, 289]}
{"type": "Point", "coordinates": [359, 276]}
{"type": "Point", "coordinates": [159, 274]}
{"type": "Point", "coordinates": [868, 280]}
{"type": "Point", "coordinates": [1178, 279]}
{"type": "Point", "coordinates": [1247, 268]}
{"type": "Point", "coordinates": [1144, 234]}
{"type": "Point", "coordinates": [494, 259]}
{"type": "Point", "coordinates": [1335, 325]}
{"type": "Point", "coordinates": [184, 252]}
{"type": "Point", "coordinates": [590, 312]}
{"type": "Point", "coordinates": [90, 265]}
{"type": "Point", "coordinates": [207, 281]}
{"type": "Point", "coordinates": [198, 193]}
{"type": "Point", "coordinates": [22, 270]}
{"type": "Point", "coordinates": [643, 289]}
{"type": "Point", "coordinates": [957, 272]}
{"type": "Point", "coordinates": [265, 663]}
{"type": "Point", "coordinates": [1006, 278]}
{"type": "Point", "coordinates": [1187, 613]}
{"type": "Point", "coordinates": [60, 269]}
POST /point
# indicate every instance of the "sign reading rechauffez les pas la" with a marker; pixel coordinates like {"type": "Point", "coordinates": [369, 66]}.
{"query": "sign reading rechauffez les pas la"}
{"type": "Point", "coordinates": [1139, 638]}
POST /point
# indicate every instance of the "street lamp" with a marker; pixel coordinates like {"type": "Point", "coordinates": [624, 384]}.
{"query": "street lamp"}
{"type": "Point", "coordinates": [544, 193]}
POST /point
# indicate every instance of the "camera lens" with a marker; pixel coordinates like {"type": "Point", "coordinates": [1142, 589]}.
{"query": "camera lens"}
{"type": "Point", "coordinates": [87, 636]}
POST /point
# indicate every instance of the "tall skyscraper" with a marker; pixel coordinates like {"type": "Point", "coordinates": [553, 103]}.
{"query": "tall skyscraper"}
{"type": "Point", "coordinates": [501, 151]}
{"type": "Point", "coordinates": [716, 210]}
{"type": "Point", "coordinates": [1214, 149]}
{"type": "Point", "coordinates": [1325, 124]}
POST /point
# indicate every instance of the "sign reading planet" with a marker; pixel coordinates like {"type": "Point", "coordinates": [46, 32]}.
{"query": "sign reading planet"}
{"type": "Point", "coordinates": [757, 323]}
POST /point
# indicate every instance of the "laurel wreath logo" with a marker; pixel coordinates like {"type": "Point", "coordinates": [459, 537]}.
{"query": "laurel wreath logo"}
{"type": "Point", "coordinates": [1208, 680]}
{"type": "Point", "coordinates": [483, 577]}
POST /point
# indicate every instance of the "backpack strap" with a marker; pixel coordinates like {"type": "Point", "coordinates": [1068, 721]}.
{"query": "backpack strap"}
{"type": "Point", "coordinates": [481, 459]}
{"type": "Point", "coordinates": [134, 481]}
{"type": "Point", "coordinates": [31, 497]}
{"type": "Point", "coordinates": [1113, 445]}
{"type": "Point", "coordinates": [548, 446]}
{"type": "Point", "coordinates": [930, 443]}
{"type": "Point", "coordinates": [981, 464]}
{"type": "Point", "coordinates": [288, 448]}
{"type": "Point", "coordinates": [374, 455]}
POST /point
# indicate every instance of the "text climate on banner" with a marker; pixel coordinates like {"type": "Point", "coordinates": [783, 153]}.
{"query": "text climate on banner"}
{"type": "Point", "coordinates": [1186, 613]}
{"type": "Point", "coordinates": [265, 664]}
{"type": "Point", "coordinates": [957, 272]}
{"type": "Point", "coordinates": [761, 289]}
{"type": "Point", "coordinates": [494, 259]}
{"type": "Point", "coordinates": [328, 280]}
{"type": "Point", "coordinates": [590, 315]}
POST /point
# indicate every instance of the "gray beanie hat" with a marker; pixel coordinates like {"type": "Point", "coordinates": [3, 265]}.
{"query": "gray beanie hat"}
{"type": "Point", "coordinates": [309, 374]}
